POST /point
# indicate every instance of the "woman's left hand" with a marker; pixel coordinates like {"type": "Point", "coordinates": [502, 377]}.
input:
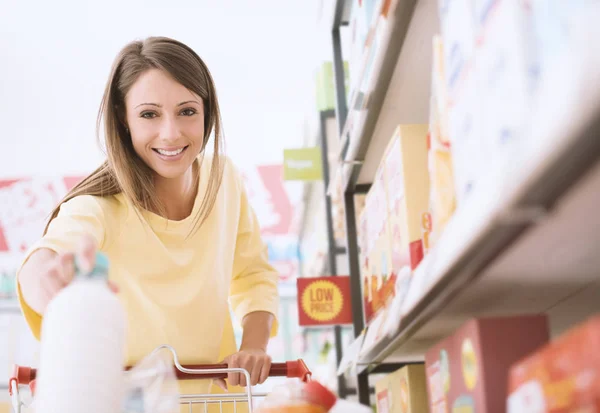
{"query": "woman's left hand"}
{"type": "Point", "coordinates": [256, 362]}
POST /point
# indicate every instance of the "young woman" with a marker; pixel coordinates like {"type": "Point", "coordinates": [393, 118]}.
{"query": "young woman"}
{"type": "Point", "coordinates": [175, 223]}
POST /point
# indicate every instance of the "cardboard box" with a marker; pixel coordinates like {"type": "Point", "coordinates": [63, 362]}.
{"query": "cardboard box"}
{"type": "Point", "coordinates": [458, 28]}
{"type": "Point", "coordinates": [442, 193]}
{"type": "Point", "coordinates": [376, 259]}
{"type": "Point", "coordinates": [404, 391]}
{"type": "Point", "coordinates": [390, 224]}
{"type": "Point", "coordinates": [508, 70]}
{"type": "Point", "coordinates": [469, 153]}
{"type": "Point", "coordinates": [562, 377]}
{"type": "Point", "coordinates": [468, 372]}
{"type": "Point", "coordinates": [407, 193]}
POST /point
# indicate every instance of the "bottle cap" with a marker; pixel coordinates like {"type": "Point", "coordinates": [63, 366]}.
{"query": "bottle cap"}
{"type": "Point", "coordinates": [100, 270]}
{"type": "Point", "coordinates": [320, 395]}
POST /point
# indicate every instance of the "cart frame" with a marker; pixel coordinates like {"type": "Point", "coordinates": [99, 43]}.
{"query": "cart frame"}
{"type": "Point", "coordinates": [291, 369]}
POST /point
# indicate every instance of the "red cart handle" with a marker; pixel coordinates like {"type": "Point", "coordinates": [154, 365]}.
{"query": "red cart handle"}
{"type": "Point", "coordinates": [292, 369]}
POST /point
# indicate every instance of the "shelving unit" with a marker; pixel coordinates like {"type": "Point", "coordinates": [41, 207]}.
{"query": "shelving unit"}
{"type": "Point", "coordinates": [525, 241]}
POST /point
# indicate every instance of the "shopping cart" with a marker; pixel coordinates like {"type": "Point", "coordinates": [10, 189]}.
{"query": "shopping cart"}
{"type": "Point", "coordinates": [26, 376]}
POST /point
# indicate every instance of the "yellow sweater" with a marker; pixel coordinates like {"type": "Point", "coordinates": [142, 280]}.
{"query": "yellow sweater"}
{"type": "Point", "coordinates": [175, 290]}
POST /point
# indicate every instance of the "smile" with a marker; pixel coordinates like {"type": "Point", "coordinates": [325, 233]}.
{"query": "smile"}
{"type": "Point", "coordinates": [169, 153]}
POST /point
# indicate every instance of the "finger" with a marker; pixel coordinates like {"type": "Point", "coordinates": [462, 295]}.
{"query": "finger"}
{"type": "Point", "coordinates": [255, 372]}
{"type": "Point", "coordinates": [87, 253]}
{"type": "Point", "coordinates": [222, 384]}
{"type": "Point", "coordinates": [265, 370]}
{"type": "Point", "coordinates": [233, 378]}
{"type": "Point", "coordinates": [65, 265]}
{"type": "Point", "coordinates": [245, 364]}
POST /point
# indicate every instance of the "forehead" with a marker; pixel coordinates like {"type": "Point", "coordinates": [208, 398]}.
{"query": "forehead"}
{"type": "Point", "coordinates": [155, 86]}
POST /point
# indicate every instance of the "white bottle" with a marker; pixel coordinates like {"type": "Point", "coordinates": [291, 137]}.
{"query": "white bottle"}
{"type": "Point", "coordinates": [82, 347]}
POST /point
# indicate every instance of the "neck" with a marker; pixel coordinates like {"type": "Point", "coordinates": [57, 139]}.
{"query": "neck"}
{"type": "Point", "coordinates": [177, 195]}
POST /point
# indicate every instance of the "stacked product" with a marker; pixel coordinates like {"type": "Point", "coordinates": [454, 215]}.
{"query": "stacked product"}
{"type": "Point", "coordinates": [496, 54]}
{"type": "Point", "coordinates": [375, 250]}
{"type": "Point", "coordinates": [390, 236]}
{"type": "Point", "coordinates": [468, 371]}
{"type": "Point", "coordinates": [368, 19]}
{"type": "Point", "coordinates": [442, 198]}
{"type": "Point", "coordinates": [407, 193]}
{"type": "Point", "coordinates": [404, 391]}
{"type": "Point", "coordinates": [562, 377]}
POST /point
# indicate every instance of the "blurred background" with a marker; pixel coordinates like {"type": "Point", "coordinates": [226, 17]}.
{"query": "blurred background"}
{"type": "Point", "coordinates": [507, 93]}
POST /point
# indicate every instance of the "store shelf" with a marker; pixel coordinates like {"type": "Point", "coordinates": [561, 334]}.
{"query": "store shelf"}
{"type": "Point", "coordinates": [526, 240]}
{"type": "Point", "coordinates": [337, 12]}
{"type": "Point", "coordinates": [399, 91]}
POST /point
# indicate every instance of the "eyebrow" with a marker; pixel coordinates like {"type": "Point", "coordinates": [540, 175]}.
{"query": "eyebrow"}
{"type": "Point", "coordinates": [160, 106]}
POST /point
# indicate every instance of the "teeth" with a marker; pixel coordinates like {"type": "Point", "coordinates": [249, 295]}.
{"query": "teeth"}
{"type": "Point", "coordinates": [170, 153]}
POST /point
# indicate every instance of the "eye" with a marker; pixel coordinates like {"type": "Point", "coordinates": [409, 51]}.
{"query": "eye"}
{"type": "Point", "coordinates": [188, 112]}
{"type": "Point", "coordinates": [148, 115]}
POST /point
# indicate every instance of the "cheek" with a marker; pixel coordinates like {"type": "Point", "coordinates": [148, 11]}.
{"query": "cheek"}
{"type": "Point", "coordinates": [194, 131]}
{"type": "Point", "coordinates": [141, 135]}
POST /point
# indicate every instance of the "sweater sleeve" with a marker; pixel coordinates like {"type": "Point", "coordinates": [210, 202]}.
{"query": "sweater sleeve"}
{"type": "Point", "coordinates": [77, 217]}
{"type": "Point", "coordinates": [254, 280]}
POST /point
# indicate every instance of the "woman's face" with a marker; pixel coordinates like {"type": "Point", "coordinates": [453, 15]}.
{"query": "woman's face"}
{"type": "Point", "coordinates": [166, 123]}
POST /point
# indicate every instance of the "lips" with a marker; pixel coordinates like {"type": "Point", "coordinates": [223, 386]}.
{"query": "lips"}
{"type": "Point", "coordinates": [169, 152]}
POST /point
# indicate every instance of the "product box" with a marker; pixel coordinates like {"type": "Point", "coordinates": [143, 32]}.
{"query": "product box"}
{"type": "Point", "coordinates": [376, 265]}
{"type": "Point", "coordinates": [508, 68]}
{"type": "Point", "coordinates": [468, 371]}
{"type": "Point", "coordinates": [562, 377]}
{"type": "Point", "coordinates": [470, 154]}
{"type": "Point", "coordinates": [404, 391]}
{"type": "Point", "coordinates": [407, 193]}
{"type": "Point", "coordinates": [442, 195]}
{"type": "Point", "coordinates": [361, 33]}
{"type": "Point", "coordinates": [458, 28]}
{"type": "Point", "coordinates": [407, 190]}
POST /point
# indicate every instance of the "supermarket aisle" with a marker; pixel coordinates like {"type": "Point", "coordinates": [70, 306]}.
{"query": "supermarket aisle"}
{"type": "Point", "coordinates": [465, 176]}
{"type": "Point", "coordinates": [449, 174]}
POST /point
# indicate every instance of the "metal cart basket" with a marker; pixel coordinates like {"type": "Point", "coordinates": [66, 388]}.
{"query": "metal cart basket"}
{"type": "Point", "coordinates": [26, 376]}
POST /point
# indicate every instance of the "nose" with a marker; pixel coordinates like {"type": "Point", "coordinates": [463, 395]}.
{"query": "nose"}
{"type": "Point", "coordinates": [169, 130]}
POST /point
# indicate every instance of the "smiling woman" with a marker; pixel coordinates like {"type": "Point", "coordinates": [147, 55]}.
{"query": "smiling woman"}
{"type": "Point", "coordinates": [176, 225]}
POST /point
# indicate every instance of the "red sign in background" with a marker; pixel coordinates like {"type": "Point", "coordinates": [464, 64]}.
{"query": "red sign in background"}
{"type": "Point", "coordinates": [324, 301]}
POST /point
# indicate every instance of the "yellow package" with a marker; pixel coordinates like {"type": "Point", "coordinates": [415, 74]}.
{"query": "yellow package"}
{"type": "Point", "coordinates": [407, 192]}
{"type": "Point", "coordinates": [404, 391]}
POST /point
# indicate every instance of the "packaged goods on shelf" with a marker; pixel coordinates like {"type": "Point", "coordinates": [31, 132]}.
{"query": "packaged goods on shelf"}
{"type": "Point", "coordinates": [368, 23]}
{"type": "Point", "coordinates": [404, 391]}
{"type": "Point", "coordinates": [442, 197]}
{"type": "Point", "coordinates": [458, 28]}
{"type": "Point", "coordinates": [407, 194]}
{"type": "Point", "coordinates": [468, 371]}
{"type": "Point", "coordinates": [469, 152]}
{"type": "Point", "coordinates": [390, 235]}
{"type": "Point", "coordinates": [376, 256]}
{"type": "Point", "coordinates": [361, 19]}
{"type": "Point", "coordinates": [563, 376]}
{"type": "Point", "coordinates": [508, 69]}
{"type": "Point", "coordinates": [556, 23]}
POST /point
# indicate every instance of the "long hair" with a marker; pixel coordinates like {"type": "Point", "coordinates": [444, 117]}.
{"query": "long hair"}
{"type": "Point", "coordinates": [124, 171]}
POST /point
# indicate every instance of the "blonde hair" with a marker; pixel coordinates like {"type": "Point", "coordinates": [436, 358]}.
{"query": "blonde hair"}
{"type": "Point", "coordinates": [124, 171]}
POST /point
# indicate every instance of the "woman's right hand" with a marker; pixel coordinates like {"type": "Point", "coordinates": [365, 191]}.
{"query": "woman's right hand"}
{"type": "Point", "coordinates": [46, 273]}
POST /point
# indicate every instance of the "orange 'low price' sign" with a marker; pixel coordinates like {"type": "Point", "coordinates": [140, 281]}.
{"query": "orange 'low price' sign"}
{"type": "Point", "coordinates": [324, 301]}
